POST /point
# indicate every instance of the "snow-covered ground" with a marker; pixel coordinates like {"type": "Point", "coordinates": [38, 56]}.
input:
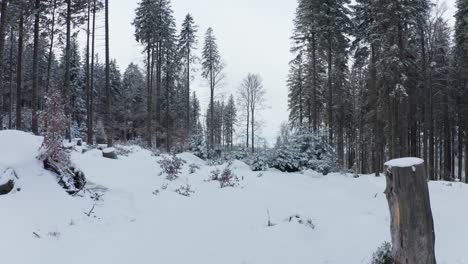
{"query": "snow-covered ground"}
{"type": "Point", "coordinates": [134, 223]}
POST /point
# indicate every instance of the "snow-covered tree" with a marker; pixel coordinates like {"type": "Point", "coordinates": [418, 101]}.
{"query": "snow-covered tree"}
{"type": "Point", "coordinates": [212, 71]}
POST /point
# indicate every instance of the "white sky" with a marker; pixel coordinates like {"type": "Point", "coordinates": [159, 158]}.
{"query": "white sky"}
{"type": "Point", "coordinates": [253, 37]}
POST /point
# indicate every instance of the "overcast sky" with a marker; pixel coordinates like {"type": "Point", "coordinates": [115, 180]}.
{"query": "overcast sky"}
{"type": "Point", "coordinates": [253, 37]}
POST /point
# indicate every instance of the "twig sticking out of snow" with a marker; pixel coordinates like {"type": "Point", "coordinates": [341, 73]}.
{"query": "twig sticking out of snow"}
{"type": "Point", "coordinates": [90, 211]}
{"type": "Point", "coordinates": [269, 224]}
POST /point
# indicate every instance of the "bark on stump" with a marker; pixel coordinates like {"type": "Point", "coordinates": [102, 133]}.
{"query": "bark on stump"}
{"type": "Point", "coordinates": [412, 225]}
{"type": "Point", "coordinates": [7, 187]}
{"type": "Point", "coordinates": [109, 153]}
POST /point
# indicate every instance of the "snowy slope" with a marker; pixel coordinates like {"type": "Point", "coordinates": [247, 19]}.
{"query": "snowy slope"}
{"type": "Point", "coordinates": [130, 224]}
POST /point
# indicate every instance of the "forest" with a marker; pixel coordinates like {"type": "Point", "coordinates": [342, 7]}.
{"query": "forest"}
{"type": "Point", "coordinates": [109, 164]}
{"type": "Point", "coordinates": [369, 81]}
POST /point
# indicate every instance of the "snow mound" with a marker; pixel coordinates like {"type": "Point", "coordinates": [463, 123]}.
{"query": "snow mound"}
{"type": "Point", "coordinates": [190, 158]}
{"type": "Point", "coordinates": [18, 148]}
{"type": "Point", "coordinates": [404, 162]}
{"type": "Point", "coordinates": [239, 165]}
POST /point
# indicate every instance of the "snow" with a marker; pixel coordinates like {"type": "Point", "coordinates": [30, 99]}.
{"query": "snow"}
{"type": "Point", "coordinates": [108, 150]}
{"type": "Point", "coordinates": [404, 162]}
{"type": "Point", "coordinates": [132, 223]}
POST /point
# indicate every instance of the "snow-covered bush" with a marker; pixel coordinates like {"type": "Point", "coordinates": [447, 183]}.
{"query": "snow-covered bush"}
{"type": "Point", "coordinates": [383, 255]}
{"type": "Point", "coordinates": [226, 178]}
{"type": "Point", "coordinates": [261, 161]}
{"type": "Point", "coordinates": [171, 167]}
{"type": "Point", "coordinates": [185, 190]}
{"type": "Point", "coordinates": [285, 159]}
{"type": "Point", "coordinates": [241, 154]}
{"type": "Point", "coordinates": [198, 145]}
{"type": "Point", "coordinates": [193, 168]}
{"type": "Point", "coordinates": [305, 151]}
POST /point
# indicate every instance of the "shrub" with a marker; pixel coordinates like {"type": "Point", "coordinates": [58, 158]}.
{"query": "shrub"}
{"type": "Point", "coordinates": [193, 168]}
{"type": "Point", "coordinates": [383, 255]}
{"type": "Point", "coordinates": [260, 162]}
{"type": "Point", "coordinates": [198, 145]}
{"type": "Point", "coordinates": [171, 167]}
{"type": "Point", "coordinates": [226, 178]}
{"type": "Point", "coordinates": [185, 190]}
{"type": "Point", "coordinates": [305, 151]}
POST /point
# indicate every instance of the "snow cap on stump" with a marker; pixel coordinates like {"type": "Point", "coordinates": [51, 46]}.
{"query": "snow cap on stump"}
{"type": "Point", "coordinates": [404, 162]}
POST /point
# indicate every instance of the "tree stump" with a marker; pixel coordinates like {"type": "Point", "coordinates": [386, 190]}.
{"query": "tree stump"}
{"type": "Point", "coordinates": [7, 181]}
{"type": "Point", "coordinates": [109, 153]}
{"type": "Point", "coordinates": [412, 225]}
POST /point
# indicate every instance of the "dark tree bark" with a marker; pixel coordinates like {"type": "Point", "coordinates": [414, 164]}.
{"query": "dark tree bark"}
{"type": "Point", "coordinates": [35, 82]}
{"type": "Point", "coordinates": [91, 98]}
{"type": "Point", "coordinates": [88, 79]}
{"type": "Point", "coordinates": [412, 226]}
{"type": "Point", "coordinates": [253, 126]}
{"type": "Point", "coordinates": [108, 88]}
{"type": "Point", "coordinates": [330, 89]}
{"type": "Point", "coordinates": [149, 95]}
{"type": "Point", "coordinates": [10, 78]}
{"type": "Point", "coordinates": [51, 47]}
{"type": "Point", "coordinates": [3, 25]}
{"type": "Point", "coordinates": [188, 90]}
{"type": "Point", "coordinates": [67, 88]}
{"type": "Point", "coordinates": [466, 151]}
{"type": "Point", "coordinates": [19, 75]}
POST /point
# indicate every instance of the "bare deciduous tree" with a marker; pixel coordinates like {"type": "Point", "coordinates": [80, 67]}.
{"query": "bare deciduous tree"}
{"type": "Point", "coordinates": [251, 96]}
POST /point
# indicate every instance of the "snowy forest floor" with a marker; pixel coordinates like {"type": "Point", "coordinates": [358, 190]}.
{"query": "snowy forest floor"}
{"type": "Point", "coordinates": [131, 223]}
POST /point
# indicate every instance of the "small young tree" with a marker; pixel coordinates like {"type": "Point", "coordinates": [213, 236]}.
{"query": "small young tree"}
{"type": "Point", "coordinates": [52, 153]}
{"type": "Point", "coordinates": [56, 122]}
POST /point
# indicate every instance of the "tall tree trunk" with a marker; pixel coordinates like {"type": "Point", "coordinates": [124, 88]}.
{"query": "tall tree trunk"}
{"type": "Point", "coordinates": [427, 106]}
{"type": "Point", "coordinates": [314, 84]}
{"type": "Point", "coordinates": [35, 82]}
{"type": "Point", "coordinates": [330, 89]}
{"type": "Point", "coordinates": [212, 107]}
{"type": "Point", "coordinates": [51, 46]}
{"type": "Point", "coordinates": [19, 75]}
{"type": "Point", "coordinates": [3, 25]}
{"type": "Point", "coordinates": [149, 102]}
{"type": "Point", "coordinates": [10, 78]}
{"type": "Point", "coordinates": [109, 124]}
{"type": "Point", "coordinates": [67, 87]}
{"type": "Point", "coordinates": [88, 79]}
{"type": "Point", "coordinates": [432, 162]}
{"type": "Point", "coordinates": [466, 150]}
{"type": "Point", "coordinates": [158, 89]}
{"type": "Point", "coordinates": [460, 142]}
{"type": "Point", "coordinates": [253, 126]}
{"type": "Point", "coordinates": [248, 126]}
{"type": "Point", "coordinates": [91, 88]}
{"type": "Point", "coordinates": [168, 147]}
{"type": "Point", "coordinates": [188, 90]}
{"type": "Point", "coordinates": [376, 160]}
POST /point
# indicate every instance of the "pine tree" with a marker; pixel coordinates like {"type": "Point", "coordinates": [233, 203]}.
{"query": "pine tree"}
{"type": "Point", "coordinates": [187, 43]}
{"type": "Point", "coordinates": [297, 91]}
{"type": "Point", "coordinates": [212, 71]}
{"type": "Point", "coordinates": [132, 103]}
